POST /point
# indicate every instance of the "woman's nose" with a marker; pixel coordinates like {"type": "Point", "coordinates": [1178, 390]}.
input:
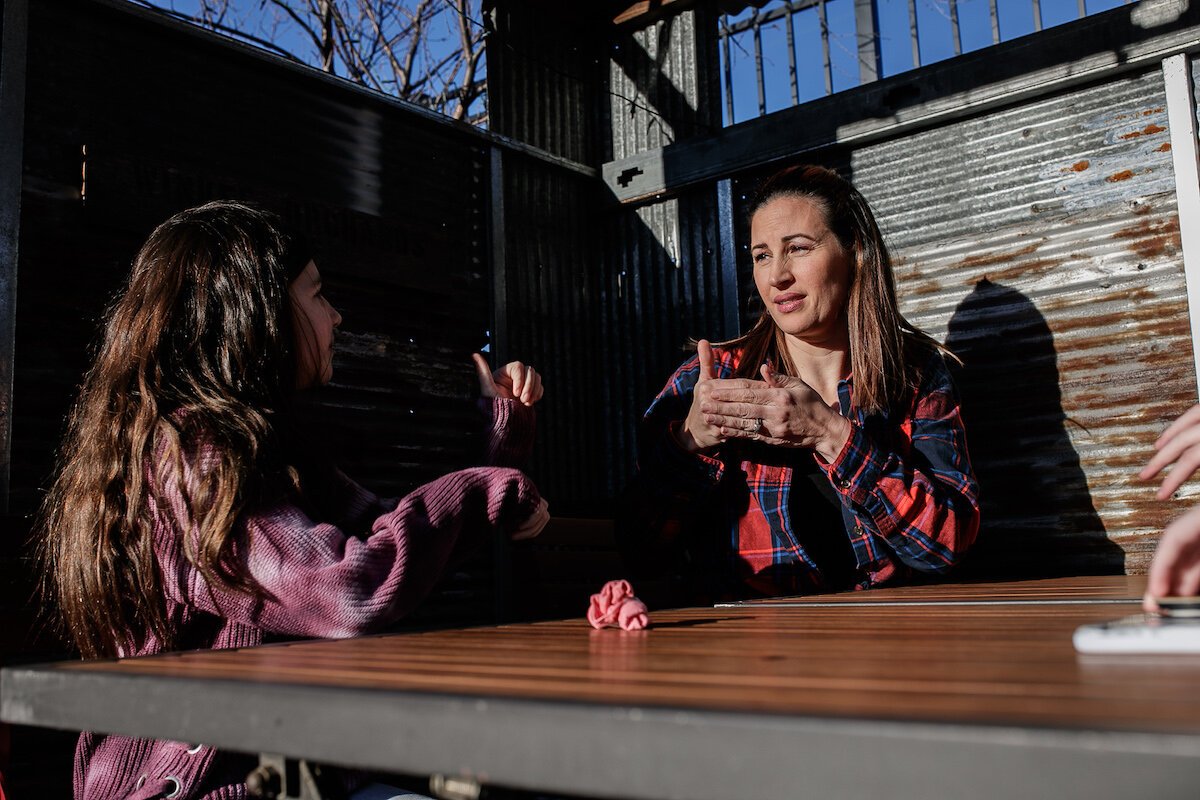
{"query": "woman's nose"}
{"type": "Point", "coordinates": [337, 317]}
{"type": "Point", "coordinates": [781, 273]}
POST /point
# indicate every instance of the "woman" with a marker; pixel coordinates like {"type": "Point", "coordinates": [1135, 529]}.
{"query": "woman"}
{"type": "Point", "coordinates": [189, 510]}
{"type": "Point", "coordinates": [822, 450]}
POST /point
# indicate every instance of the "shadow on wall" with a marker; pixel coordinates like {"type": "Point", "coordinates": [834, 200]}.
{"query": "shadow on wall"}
{"type": "Point", "coordinates": [1038, 515]}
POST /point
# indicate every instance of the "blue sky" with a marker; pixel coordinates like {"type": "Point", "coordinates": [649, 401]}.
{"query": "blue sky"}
{"type": "Point", "coordinates": [1016, 18]}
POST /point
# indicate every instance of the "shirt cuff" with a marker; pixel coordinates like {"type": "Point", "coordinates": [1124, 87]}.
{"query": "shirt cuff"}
{"type": "Point", "coordinates": [857, 469]}
{"type": "Point", "coordinates": [693, 465]}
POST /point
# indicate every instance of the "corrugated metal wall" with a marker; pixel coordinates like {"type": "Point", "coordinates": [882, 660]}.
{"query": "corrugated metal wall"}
{"type": "Point", "coordinates": [396, 202]}
{"type": "Point", "coordinates": [1041, 242]}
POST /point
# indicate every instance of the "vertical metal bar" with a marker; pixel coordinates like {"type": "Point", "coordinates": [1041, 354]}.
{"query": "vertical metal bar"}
{"type": "Point", "coordinates": [825, 47]}
{"type": "Point", "coordinates": [995, 21]}
{"type": "Point", "coordinates": [916, 46]}
{"type": "Point", "coordinates": [1083, 8]}
{"type": "Point", "coordinates": [758, 67]}
{"type": "Point", "coordinates": [502, 600]}
{"type": "Point", "coordinates": [793, 78]}
{"type": "Point", "coordinates": [954, 31]}
{"type": "Point", "coordinates": [1037, 15]}
{"type": "Point", "coordinates": [14, 25]}
{"type": "Point", "coordinates": [728, 69]}
{"type": "Point", "coordinates": [728, 259]}
{"type": "Point", "coordinates": [499, 267]}
{"type": "Point", "coordinates": [1181, 117]}
{"type": "Point", "coordinates": [867, 30]}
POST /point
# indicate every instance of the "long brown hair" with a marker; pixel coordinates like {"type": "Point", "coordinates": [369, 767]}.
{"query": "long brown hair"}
{"type": "Point", "coordinates": [882, 341]}
{"type": "Point", "coordinates": [197, 354]}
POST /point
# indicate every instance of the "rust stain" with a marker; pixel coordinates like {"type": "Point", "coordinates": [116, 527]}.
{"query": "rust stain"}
{"type": "Point", "coordinates": [1025, 270]}
{"type": "Point", "coordinates": [1163, 148]}
{"type": "Point", "coordinates": [1078, 166]}
{"type": "Point", "coordinates": [1142, 208]}
{"type": "Point", "coordinates": [1149, 130]}
{"type": "Point", "coordinates": [996, 258]}
{"type": "Point", "coordinates": [1150, 239]}
{"type": "Point", "coordinates": [1124, 175]}
{"type": "Point", "coordinates": [1152, 112]}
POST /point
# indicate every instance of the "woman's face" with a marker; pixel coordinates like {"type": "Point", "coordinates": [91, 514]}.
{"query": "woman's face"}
{"type": "Point", "coordinates": [315, 321]}
{"type": "Point", "coordinates": [801, 270]}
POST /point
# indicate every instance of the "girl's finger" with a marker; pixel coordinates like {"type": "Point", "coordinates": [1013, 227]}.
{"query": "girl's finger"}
{"type": "Point", "coordinates": [533, 388]}
{"type": "Point", "coordinates": [487, 386]}
{"type": "Point", "coordinates": [516, 371]}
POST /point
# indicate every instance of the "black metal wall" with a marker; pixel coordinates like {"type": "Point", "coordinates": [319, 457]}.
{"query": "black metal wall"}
{"type": "Point", "coordinates": [131, 117]}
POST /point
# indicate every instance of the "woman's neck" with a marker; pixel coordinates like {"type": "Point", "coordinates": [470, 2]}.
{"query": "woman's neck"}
{"type": "Point", "coordinates": [821, 365]}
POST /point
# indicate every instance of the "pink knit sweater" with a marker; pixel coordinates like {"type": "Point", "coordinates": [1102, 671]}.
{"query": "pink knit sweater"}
{"type": "Point", "coordinates": [368, 564]}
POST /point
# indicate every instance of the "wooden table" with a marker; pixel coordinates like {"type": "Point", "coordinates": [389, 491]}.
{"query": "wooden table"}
{"type": "Point", "coordinates": [828, 699]}
{"type": "Point", "coordinates": [1101, 589]}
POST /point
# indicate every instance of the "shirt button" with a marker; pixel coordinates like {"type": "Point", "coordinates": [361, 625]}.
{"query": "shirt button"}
{"type": "Point", "coordinates": [844, 484]}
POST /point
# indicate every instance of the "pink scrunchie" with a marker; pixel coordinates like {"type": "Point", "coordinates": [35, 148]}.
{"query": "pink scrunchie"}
{"type": "Point", "coordinates": [615, 605]}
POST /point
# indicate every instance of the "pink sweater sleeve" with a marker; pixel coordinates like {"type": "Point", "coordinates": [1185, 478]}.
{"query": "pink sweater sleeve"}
{"type": "Point", "coordinates": [321, 580]}
{"type": "Point", "coordinates": [510, 437]}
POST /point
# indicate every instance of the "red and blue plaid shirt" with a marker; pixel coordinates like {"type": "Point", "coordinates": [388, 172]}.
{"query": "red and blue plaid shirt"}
{"type": "Point", "coordinates": [908, 495]}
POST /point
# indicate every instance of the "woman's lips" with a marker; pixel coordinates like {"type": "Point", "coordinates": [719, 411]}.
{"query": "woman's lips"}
{"type": "Point", "coordinates": [787, 303]}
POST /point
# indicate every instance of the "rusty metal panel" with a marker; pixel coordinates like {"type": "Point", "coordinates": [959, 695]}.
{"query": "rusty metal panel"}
{"type": "Point", "coordinates": [663, 83]}
{"type": "Point", "coordinates": [395, 201]}
{"type": "Point", "coordinates": [1041, 243]}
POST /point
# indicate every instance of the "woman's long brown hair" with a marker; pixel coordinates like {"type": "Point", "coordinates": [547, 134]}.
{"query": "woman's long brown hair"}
{"type": "Point", "coordinates": [197, 348]}
{"type": "Point", "coordinates": [882, 341]}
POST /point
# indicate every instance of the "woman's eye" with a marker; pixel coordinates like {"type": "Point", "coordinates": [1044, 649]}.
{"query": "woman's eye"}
{"type": "Point", "coordinates": [760, 257]}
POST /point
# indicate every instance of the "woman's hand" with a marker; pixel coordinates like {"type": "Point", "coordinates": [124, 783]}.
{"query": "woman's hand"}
{"type": "Point", "coordinates": [780, 411]}
{"type": "Point", "coordinates": [513, 381]}
{"type": "Point", "coordinates": [533, 525]}
{"type": "Point", "coordinates": [696, 434]}
{"type": "Point", "coordinates": [1178, 445]}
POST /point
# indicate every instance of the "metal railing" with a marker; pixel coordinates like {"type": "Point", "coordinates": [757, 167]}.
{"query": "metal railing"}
{"type": "Point", "coordinates": [848, 43]}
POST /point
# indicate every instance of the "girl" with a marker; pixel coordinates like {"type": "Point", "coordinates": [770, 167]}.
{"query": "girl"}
{"type": "Point", "coordinates": [187, 511]}
{"type": "Point", "coordinates": [824, 449]}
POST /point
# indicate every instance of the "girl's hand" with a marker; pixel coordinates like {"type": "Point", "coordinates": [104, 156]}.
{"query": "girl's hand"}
{"type": "Point", "coordinates": [1178, 445]}
{"type": "Point", "coordinates": [513, 381]}
{"type": "Point", "coordinates": [1175, 571]}
{"type": "Point", "coordinates": [780, 411]}
{"type": "Point", "coordinates": [533, 525]}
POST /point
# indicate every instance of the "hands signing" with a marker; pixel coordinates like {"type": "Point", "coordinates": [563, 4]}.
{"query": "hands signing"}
{"type": "Point", "coordinates": [778, 410]}
{"type": "Point", "coordinates": [513, 381]}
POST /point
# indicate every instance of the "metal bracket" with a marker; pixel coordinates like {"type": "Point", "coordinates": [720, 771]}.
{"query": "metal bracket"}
{"type": "Point", "coordinates": [280, 778]}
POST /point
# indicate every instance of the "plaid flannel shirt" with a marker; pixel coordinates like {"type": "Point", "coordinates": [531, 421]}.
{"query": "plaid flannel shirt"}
{"type": "Point", "coordinates": [908, 495]}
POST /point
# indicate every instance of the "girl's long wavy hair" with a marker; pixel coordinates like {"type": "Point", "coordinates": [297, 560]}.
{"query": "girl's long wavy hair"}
{"type": "Point", "coordinates": [882, 342]}
{"type": "Point", "coordinates": [197, 348]}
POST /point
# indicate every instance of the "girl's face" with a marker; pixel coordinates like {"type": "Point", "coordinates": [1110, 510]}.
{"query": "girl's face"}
{"type": "Point", "coordinates": [801, 270]}
{"type": "Point", "coordinates": [315, 321]}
